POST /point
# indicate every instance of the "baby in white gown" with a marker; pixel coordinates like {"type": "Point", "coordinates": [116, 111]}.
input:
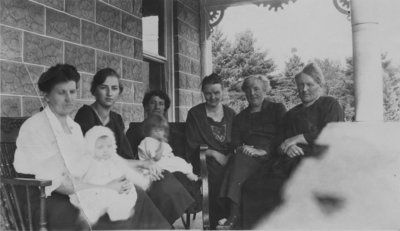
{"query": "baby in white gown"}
{"type": "Point", "coordinates": [155, 147]}
{"type": "Point", "coordinates": [103, 167]}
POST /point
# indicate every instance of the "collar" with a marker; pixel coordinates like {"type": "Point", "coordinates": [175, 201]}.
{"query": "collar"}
{"type": "Point", "coordinates": [55, 123]}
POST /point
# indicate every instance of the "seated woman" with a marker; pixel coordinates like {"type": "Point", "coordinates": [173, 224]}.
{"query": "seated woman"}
{"type": "Point", "coordinates": [167, 193]}
{"type": "Point", "coordinates": [301, 126]}
{"type": "Point", "coordinates": [50, 143]}
{"type": "Point", "coordinates": [210, 123]}
{"type": "Point", "coordinates": [254, 137]}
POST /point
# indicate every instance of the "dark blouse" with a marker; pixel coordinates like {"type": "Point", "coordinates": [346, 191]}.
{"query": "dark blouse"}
{"type": "Point", "coordinates": [259, 129]}
{"type": "Point", "coordinates": [87, 118]}
{"type": "Point", "coordinates": [311, 120]}
{"type": "Point", "coordinates": [218, 129]}
{"type": "Point", "coordinates": [135, 136]}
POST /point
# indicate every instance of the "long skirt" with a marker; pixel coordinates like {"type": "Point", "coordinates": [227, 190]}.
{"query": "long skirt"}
{"type": "Point", "coordinates": [241, 167]}
{"type": "Point", "coordinates": [170, 197]}
{"type": "Point", "coordinates": [62, 215]}
{"type": "Point", "coordinates": [262, 192]}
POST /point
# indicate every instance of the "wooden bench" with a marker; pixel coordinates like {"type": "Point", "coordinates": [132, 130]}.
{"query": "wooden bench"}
{"type": "Point", "coordinates": [15, 215]}
{"type": "Point", "coordinates": [177, 140]}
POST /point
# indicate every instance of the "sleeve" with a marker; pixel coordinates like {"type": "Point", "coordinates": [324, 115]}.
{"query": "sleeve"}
{"type": "Point", "coordinates": [147, 148]}
{"type": "Point", "coordinates": [330, 112]}
{"type": "Point", "coordinates": [85, 119]}
{"type": "Point", "coordinates": [37, 154]}
{"type": "Point", "coordinates": [280, 116]}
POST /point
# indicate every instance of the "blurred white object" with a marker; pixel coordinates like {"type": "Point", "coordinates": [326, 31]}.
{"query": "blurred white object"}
{"type": "Point", "coordinates": [354, 185]}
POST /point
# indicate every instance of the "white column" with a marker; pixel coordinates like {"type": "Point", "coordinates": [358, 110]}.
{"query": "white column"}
{"type": "Point", "coordinates": [205, 42]}
{"type": "Point", "coordinates": [367, 61]}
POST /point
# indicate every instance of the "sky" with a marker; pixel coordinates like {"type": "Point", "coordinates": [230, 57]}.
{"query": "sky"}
{"type": "Point", "coordinates": [314, 27]}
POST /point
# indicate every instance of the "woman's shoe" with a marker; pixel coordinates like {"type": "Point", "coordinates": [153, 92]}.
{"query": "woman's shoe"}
{"type": "Point", "coordinates": [228, 224]}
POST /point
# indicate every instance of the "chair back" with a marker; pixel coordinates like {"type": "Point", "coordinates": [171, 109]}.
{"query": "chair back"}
{"type": "Point", "coordinates": [9, 203]}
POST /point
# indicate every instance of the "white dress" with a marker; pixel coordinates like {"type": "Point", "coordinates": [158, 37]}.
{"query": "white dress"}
{"type": "Point", "coordinates": [168, 161]}
{"type": "Point", "coordinates": [100, 200]}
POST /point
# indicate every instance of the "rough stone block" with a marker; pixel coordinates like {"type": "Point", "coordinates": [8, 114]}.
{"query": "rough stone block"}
{"type": "Point", "coordinates": [127, 95]}
{"type": "Point", "coordinates": [10, 106]}
{"type": "Point", "coordinates": [30, 105]}
{"type": "Point", "coordinates": [108, 16]}
{"type": "Point", "coordinates": [188, 32]}
{"type": "Point", "coordinates": [127, 112]}
{"type": "Point", "coordinates": [117, 107]}
{"type": "Point", "coordinates": [188, 16]}
{"type": "Point", "coordinates": [195, 67]}
{"type": "Point", "coordinates": [197, 98]}
{"type": "Point", "coordinates": [62, 26]}
{"type": "Point", "coordinates": [137, 8]}
{"type": "Point", "coordinates": [108, 60]}
{"type": "Point", "coordinates": [10, 43]}
{"type": "Point", "coordinates": [138, 92]}
{"type": "Point", "coordinates": [182, 113]}
{"type": "Point", "coordinates": [16, 78]}
{"type": "Point", "coordinates": [56, 4]}
{"type": "Point", "coordinates": [22, 14]}
{"type": "Point", "coordinates": [81, 8]}
{"type": "Point", "coordinates": [123, 4]}
{"type": "Point", "coordinates": [138, 50]}
{"type": "Point", "coordinates": [95, 36]}
{"type": "Point", "coordinates": [189, 49]}
{"type": "Point", "coordinates": [82, 58]}
{"type": "Point", "coordinates": [193, 83]}
{"type": "Point", "coordinates": [42, 50]}
{"type": "Point", "coordinates": [184, 98]}
{"type": "Point", "coordinates": [131, 25]}
{"type": "Point", "coordinates": [86, 81]}
{"type": "Point", "coordinates": [121, 44]}
{"type": "Point", "coordinates": [180, 80]}
{"type": "Point", "coordinates": [132, 69]}
{"type": "Point", "coordinates": [145, 75]}
{"type": "Point", "coordinates": [183, 63]}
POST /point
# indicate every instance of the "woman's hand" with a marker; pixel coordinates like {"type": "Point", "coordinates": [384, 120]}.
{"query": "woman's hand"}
{"type": "Point", "coordinates": [154, 170]}
{"type": "Point", "coordinates": [294, 151]}
{"type": "Point", "coordinates": [219, 157]}
{"type": "Point", "coordinates": [292, 141]}
{"type": "Point", "coordinates": [251, 151]}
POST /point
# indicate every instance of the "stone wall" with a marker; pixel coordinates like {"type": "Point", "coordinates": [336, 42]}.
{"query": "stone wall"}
{"type": "Point", "coordinates": [187, 56]}
{"type": "Point", "coordinates": [89, 34]}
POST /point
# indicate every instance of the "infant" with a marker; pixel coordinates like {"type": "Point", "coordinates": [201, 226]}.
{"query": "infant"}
{"type": "Point", "coordinates": [155, 147]}
{"type": "Point", "coordinates": [103, 168]}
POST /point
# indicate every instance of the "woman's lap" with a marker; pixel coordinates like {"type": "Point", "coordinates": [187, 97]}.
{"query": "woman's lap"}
{"type": "Point", "coordinates": [170, 197]}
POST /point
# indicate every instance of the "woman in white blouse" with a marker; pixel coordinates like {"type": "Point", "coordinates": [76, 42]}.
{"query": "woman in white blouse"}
{"type": "Point", "coordinates": [50, 144]}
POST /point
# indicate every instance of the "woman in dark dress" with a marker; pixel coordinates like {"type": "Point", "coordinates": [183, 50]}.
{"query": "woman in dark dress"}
{"type": "Point", "coordinates": [300, 128]}
{"type": "Point", "coordinates": [254, 138]}
{"type": "Point", "coordinates": [50, 141]}
{"type": "Point", "coordinates": [167, 193]}
{"type": "Point", "coordinates": [210, 123]}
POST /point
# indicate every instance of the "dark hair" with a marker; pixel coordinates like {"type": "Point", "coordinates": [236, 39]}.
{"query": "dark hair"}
{"type": "Point", "coordinates": [59, 73]}
{"type": "Point", "coordinates": [159, 93]}
{"type": "Point", "coordinates": [101, 76]}
{"type": "Point", "coordinates": [153, 121]}
{"type": "Point", "coordinates": [211, 79]}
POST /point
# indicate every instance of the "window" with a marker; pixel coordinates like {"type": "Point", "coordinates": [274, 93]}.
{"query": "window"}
{"type": "Point", "coordinates": [157, 25]}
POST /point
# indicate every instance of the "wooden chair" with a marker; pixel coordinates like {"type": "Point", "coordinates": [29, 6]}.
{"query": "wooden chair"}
{"type": "Point", "coordinates": [177, 140]}
{"type": "Point", "coordinates": [15, 215]}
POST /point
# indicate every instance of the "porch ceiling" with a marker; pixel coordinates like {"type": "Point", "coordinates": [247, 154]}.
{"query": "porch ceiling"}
{"type": "Point", "coordinates": [214, 5]}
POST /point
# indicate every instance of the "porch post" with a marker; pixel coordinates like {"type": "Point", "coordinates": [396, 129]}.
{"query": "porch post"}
{"type": "Point", "coordinates": [205, 46]}
{"type": "Point", "coordinates": [367, 61]}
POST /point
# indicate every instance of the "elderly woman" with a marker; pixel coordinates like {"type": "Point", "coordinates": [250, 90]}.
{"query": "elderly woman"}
{"type": "Point", "coordinates": [301, 126]}
{"type": "Point", "coordinates": [254, 138]}
{"type": "Point", "coordinates": [167, 193]}
{"type": "Point", "coordinates": [50, 144]}
{"type": "Point", "coordinates": [211, 123]}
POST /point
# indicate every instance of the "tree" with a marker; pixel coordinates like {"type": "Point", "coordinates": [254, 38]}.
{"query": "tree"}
{"type": "Point", "coordinates": [234, 62]}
